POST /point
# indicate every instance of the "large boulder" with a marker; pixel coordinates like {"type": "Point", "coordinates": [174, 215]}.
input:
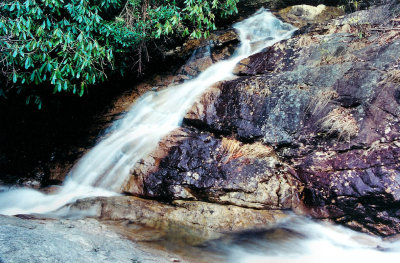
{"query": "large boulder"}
{"type": "Point", "coordinates": [310, 124]}
{"type": "Point", "coordinates": [302, 15]}
{"type": "Point", "coordinates": [64, 241]}
{"type": "Point", "coordinates": [195, 165]}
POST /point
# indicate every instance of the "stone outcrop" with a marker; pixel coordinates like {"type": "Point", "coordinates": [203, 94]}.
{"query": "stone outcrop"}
{"type": "Point", "coordinates": [247, 7]}
{"type": "Point", "coordinates": [303, 15]}
{"type": "Point", "coordinates": [193, 221]}
{"type": "Point", "coordinates": [193, 165]}
{"type": "Point", "coordinates": [218, 46]}
{"type": "Point", "coordinates": [88, 240]}
{"type": "Point", "coordinates": [310, 124]}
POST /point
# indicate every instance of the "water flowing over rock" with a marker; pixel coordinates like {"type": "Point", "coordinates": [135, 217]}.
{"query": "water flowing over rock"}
{"type": "Point", "coordinates": [107, 167]}
{"type": "Point", "coordinates": [326, 103]}
{"type": "Point", "coordinates": [298, 240]}
{"type": "Point", "coordinates": [309, 124]}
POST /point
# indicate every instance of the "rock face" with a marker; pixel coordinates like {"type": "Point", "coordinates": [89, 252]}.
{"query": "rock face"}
{"type": "Point", "coordinates": [69, 241]}
{"type": "Point", "coordinates": [193, 221]}
{"type": "Point", "coordinates": [218, 46]}
{"type": "Point", "coordinates": [301, 15]}
{"type": "Point", "coordinates": [310, 124]}
{"type": "Point", "coordinates": [247, 7]}
{"type": "Point", "coordinates": [200, 166]}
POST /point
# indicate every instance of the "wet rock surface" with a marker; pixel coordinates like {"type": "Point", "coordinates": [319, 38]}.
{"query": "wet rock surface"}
{"type": "Point", "coordinates": [324, 105]}
{"type": "Point", "coordinates": [85, 240]}
{"type": "Point", "coordinates": [199, 166]}
{"type": "Point", "coordinates": [310, 124]}
{"type": "Point", "coordinates": [303, 15]}
{"type": "Point", "coordinates": [191, 221]}
{"type": "Point", "coordinates": [218, 46]}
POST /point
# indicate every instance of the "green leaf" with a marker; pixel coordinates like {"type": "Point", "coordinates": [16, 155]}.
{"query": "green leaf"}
{"type": "Point", "coordinates": [15, 77]}
{"type": "Point", "coordinates": [27, 62]}
{"type": "Point", "coordinates": [82, 89]}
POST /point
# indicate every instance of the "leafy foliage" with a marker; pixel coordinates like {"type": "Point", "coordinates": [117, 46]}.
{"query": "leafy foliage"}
{"type": "Point", "coordinates": [49, 41]}
{"type": "Point", "coordinates": [70, 44]}
{"type": "Point", "coordinates": [141, 21]}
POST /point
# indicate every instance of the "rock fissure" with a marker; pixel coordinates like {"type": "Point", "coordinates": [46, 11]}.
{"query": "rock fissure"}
{"type": "Point", "coordinates": [388, 112]}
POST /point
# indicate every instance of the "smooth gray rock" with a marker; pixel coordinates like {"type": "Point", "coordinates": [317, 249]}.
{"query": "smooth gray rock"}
{"type": "Point", "coordinates": [65, 241]}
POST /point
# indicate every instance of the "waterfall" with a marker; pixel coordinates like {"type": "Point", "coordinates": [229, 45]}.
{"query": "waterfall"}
{"type": "Point", "coordinates": [105, 168]}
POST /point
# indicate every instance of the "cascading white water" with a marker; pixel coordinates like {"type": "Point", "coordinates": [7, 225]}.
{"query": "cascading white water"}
{"type": "Point", "coordinates": [299, 240]}
{"type": "Point", "coordinates": [106, 167]}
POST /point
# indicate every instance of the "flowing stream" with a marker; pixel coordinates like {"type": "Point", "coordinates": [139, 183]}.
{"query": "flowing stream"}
{"type": "Point", "coordinates": [104, 169]}
{"type": "Point", "coordinates": [299, 240]}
